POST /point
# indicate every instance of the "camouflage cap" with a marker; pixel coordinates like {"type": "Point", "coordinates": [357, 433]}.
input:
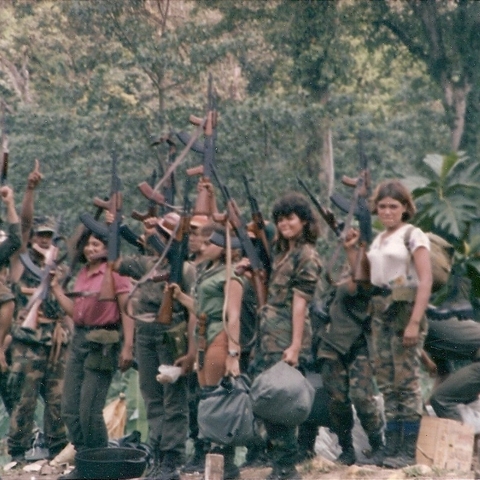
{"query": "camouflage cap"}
{"type": "Point", "coordinates": [44, 225]}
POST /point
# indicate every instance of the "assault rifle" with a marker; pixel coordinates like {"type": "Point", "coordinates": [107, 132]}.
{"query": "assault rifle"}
{"type": "Point", "coordinates": [5, 151]}
{"type": "Point", "coordinates": [259, 274]}
{"type": "Point", "coordinates": [359, 208]}
{"type": "Point", "coordinates": [325, 213]}
{"type": "Point", "coordinates": [114, 206]}
{"type": "Point", "coordinates": [203, 203]}
{"type": "Point", "coordinates": [258, 223]}
{"type": "Point", "coordinates": [45, 275]}
{"type": "Point", "coordinates": [177, 255]}
{"type": "Point", "coordinates": [152, 206]}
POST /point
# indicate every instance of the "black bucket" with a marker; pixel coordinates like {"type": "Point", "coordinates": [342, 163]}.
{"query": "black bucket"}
{"type": "Point", "coordinates": [111, 463]}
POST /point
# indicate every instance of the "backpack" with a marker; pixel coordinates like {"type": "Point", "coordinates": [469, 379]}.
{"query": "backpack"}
{"type": "Point", "coordinates": [441, 257]}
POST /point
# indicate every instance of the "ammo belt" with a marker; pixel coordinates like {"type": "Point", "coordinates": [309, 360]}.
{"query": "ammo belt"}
{"type": "Point", "coordinates": [381, 292]}
{"type": "Point", "coordinates": [87, 328]}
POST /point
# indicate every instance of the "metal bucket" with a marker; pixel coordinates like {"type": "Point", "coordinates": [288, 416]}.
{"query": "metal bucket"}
{"type": "Point", "coordinates": [111, 463]}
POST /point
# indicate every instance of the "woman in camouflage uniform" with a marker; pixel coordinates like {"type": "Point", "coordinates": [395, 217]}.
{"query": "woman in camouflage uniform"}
{"type": "Point", "coordinates": [402, 281]}
{"type": "Point", "coordinates": [285, 329]}
{"type": "Point", "coordinates": [222, 352]}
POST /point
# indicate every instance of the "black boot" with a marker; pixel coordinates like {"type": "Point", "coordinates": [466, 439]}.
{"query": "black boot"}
{"type": "Point", "coordinates": [152, 472]}
{"type": "Point", "coordinates": [285, 472]}
{"type": "Point", "coordinates": [347, 457]}
{"type": "Point", "coordinates": [408, 447]}
{"type": "Point", "coordinates": [230, 470]}
{"type": "Point", "coordinates": [307, 434]}
{"type": "Point", "coordinates": [392, 444]}
{"type": "Point", "coordinates": [169, 468]}
{"type": "Point", "coordinates": [197, 463]}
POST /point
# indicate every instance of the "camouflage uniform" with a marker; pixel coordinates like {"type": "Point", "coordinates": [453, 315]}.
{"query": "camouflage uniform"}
{"type": "Point", "coordinates": [346, 368]}
{"type": "Point", "coordinates": [296, 271]}
{"type": "Point", "coordinates": [400, 386]}
{"type": "Point", "coordinates": [37, 369]}
{"type": "Point", "coordinates": [7, 248]}
{"type": "Point", "coordinates": [155, 344]}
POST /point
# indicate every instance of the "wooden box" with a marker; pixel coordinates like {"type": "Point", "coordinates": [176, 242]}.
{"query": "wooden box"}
{"type": "Point", "coordinates": [445, 443]}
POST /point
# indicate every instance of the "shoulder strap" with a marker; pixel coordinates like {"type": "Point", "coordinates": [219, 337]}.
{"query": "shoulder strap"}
{"type": "Point", "coordinates": [407, 235]}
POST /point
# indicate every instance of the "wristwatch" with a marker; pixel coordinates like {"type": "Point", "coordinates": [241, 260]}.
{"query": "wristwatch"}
{"type": "Point", "coordinates": [233, 353]}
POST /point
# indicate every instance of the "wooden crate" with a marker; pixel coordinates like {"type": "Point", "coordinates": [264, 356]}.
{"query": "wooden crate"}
{"type": "Point", "coordinates": [445, 443]}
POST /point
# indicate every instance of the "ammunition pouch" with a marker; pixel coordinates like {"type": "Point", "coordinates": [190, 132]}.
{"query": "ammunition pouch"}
{"type": "Point", "coordinates": [103, 350]}
{"type": "Point", "coordinates": [176, 340]}
{"type": "Point", "coordinates": [396, 305]}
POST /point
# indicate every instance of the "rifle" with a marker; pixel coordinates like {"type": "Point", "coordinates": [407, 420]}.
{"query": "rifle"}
{"type": "Point", "coordinates": [203, 203]}
{"type": "Point", "coordinates": [358, 207]}
{"type": "Point", "coordinates": [5, 151]}
{"type": "Point", "coordinates": [325, 213]}
{"type": "Point", "coordinates": [152, 206]}
{"type": "Point", "coordinates": [177, 255]}
{"type": "Point", "coordinates": [259, 274]}
{"type": "Point", "coordinates": [258, 223]}
{"type": "Point", "coordinates": [202, 342]}
{"type": "Point", "coordinates": [45, 275]}
{"type": "Point", "coordinates": [114, 206]}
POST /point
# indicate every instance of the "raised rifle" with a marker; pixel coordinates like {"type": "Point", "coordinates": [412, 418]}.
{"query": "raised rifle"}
{"type": "Point", "coordinates": [258, 224]}
{"type": "Point", "coordinates": [259, 274]}
{"type": "Point", "coordinates": [41, 292]}
{"type": "Point", "coordinates": [5, 151]}
{"type": "Point", "coordinates": [153, 200]}
{"type": "Point", "coordinates": [203, 203]}
{"type": "Point", "coordinates": [358, 207]}
{"type": "Point", "coordinates": [177, 255]}
{"type": "Point", "coordinates": [325, 213]}
{"type": "Point", "coordinates": [114, 206]}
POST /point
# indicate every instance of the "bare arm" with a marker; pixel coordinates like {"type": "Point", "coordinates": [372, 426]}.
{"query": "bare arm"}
{"type": "Point", "coordinates": [421, 259]}
{"type": "Point", "coordinates": [186, 300]}
{"type": "Point", "coordinates": [128, 327]}
{"type": "Point", "coordinates": [299, 311]}
{"type": "Point", "coordinates": [186, 361]}
{"type": "Point", "coordinates": [234, 306]}
{"type": "Point", "coordinates": [6, 314]}
{"type": "Point", "coordinates": [66, 303]}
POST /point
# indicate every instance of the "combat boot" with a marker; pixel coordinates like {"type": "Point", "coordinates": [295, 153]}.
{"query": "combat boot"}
{"type": "Point", "coordinates": [286, 472]}
{"type": "Point", "coordinates": [347, 457]}
{"type": "Point", "coordinates": [406, 453]}
{"type": "Point", "coordinates": [391, 446]}
{"type": "Point", "coordinates": [197, 463]}
{"type": "Point", "coordinates": [168, 469]}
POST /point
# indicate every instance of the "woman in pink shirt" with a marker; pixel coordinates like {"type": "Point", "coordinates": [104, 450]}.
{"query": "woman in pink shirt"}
{"type": "Point", "coordinates": [94, 353]}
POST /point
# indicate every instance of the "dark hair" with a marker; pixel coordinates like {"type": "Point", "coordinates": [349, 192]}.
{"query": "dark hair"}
{"type": "Point", "coordinates": [294, 202]}
{"type": "Point", "coordinates": [396, 190]}
{"type": "Point", "coordinates": [83, 240]}
{"type": "Point", "coordinates": [219, 229]}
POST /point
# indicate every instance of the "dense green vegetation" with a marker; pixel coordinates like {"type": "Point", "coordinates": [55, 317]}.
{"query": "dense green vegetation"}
{"type": "Point", "coordinates": [296, 80]}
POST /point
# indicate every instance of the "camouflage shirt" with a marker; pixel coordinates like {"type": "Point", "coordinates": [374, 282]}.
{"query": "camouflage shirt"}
{"type": "Point", "coordinates": [148, 297]}
{"type": "Point", "coordinates": [296, 271]}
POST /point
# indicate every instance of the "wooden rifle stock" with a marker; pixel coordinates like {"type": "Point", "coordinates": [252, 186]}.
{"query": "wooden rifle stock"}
{"type": "Point", "coordinates": [166, 308]}
{"type": "Point", "coordinates": [362, 266]}
{"type": "Point", "coordinates": [31, 320]}
{"type": "Point", "coordinates": [107, 289]}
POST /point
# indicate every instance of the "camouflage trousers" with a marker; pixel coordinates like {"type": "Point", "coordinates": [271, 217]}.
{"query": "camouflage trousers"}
{"type": "Point", "coordinates": [349, 379]}
{"type": "Point", "coordinates": [397, 369]}
{"type": "Point", "coordinates": [35, 376]}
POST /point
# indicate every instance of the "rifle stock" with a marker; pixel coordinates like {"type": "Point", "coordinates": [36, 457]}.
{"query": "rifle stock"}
{"type": "Point", "coordinates": [202, 343]}
{"type": "Point", "coordinates": [30, 322]}
{"type": "Point", "coordinates": [166, 308]}
{"type": "Point", "coordinates": [107, 288]}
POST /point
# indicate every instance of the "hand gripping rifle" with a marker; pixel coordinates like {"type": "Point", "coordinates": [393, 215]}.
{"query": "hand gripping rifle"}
{"type": "Point", "coordinates": [259, 274]}
{"type": "Point", "coordinates": [177, 255]}
{"type": "Point", "coordinates": [325, 213]}
{"type": "Point", "coordinates": [154, 199]}
{"type": "Point", "coordinates": [114, 206]}
{"type": "Point", "coordinates": [45, 275]}
{"type": "Point", "coordinates": [358, 206]}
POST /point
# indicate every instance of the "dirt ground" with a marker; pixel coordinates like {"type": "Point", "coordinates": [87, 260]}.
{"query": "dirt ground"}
{"type": "Point", "coordinates": [316, 469]}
